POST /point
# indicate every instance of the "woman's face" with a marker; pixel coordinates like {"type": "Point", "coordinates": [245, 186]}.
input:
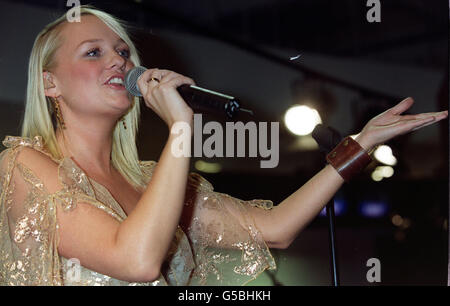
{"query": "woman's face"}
{"type": "Point", "coordinates": [90, 57]}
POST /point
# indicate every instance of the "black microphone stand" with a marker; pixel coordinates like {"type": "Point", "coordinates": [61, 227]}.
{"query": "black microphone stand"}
{"type": "Point", "coordinates": [328, 138]}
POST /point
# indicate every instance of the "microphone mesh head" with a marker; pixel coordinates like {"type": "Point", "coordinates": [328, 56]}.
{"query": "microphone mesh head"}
{"type": "Point", "coordinates": [131, 79]}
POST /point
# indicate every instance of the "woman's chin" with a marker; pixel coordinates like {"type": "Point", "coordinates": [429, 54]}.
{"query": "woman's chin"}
{"type": "Point", "coordinates": [121, 104]}
{"type": "Point", "coordinates": [118, 96]}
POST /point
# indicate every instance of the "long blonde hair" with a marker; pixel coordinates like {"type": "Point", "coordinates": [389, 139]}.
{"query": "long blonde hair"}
{"type": "Point", "coordinates": [38, 113]}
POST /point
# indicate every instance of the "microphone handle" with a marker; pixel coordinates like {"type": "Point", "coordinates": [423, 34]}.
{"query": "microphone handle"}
{"type": "Point", "coordinates": [205, 100]}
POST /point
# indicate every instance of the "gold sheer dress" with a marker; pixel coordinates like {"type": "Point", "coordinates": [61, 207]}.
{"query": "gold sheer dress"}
{"type": "Point", "coordinates": [200, 253]}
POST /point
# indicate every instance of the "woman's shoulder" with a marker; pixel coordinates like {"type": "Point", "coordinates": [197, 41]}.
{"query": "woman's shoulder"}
{"type": "Point", "coordinates": [15, 143]}
{"type": "Point", "coordinates": [31, 150]}
{"type": "Point", "coordinates": [32, 159]}
{"type": "Point", "coordinates": [30, 155]}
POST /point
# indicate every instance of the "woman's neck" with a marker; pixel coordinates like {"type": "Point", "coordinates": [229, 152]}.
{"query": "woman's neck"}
{"type": "Point", "coordinates": [89, 145]}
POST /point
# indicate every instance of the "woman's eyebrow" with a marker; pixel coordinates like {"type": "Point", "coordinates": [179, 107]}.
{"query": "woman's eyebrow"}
{"type": "Point", "coordinates": [89, 41]}
{"type": "Point", "coordinates": [120, 40]}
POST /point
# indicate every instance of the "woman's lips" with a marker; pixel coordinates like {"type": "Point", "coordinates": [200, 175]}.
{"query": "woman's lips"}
{"type": "Point", "coordinates": [116, 86]}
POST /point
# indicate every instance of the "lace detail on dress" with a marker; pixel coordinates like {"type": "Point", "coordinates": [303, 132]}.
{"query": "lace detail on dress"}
{"type": "Point", "coordinates": [14, 141]}
{"type": "Point", "coordinates": [78, 188]}
{"type": "Point", "coordinates": [217, 242]}
{"type": "Point", "coordinates": [27, 227]}
{"type": "Point", "coordinates": [226, 245]}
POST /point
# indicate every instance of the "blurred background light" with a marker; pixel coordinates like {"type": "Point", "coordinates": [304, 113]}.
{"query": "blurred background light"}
{"type": "Point", "coordinates": [386, 171]}
{"type": "Point", "coordinates": [397, 220]}
{"type": "Point", "coordinates": [207, 167]}
{"type": "Point", "coordinates": [384, 155]}
{"type": "Point", "coordinates": [406, 223]}
{"type": "Point", "coordinates": [377, 176]}
{"type": "Point", "coordinates": [373, 209]}
{"type": "Point", "coordinates": [301, 119]}
{"type": "Point", "coordinates": [340, 208]}
{"type": "Point", "coordinates": [381, 172]}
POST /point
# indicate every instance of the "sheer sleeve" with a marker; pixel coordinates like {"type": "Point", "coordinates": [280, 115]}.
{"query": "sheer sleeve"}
{"type": "Point", "coordinates": [27, 227]}
{"type": "Point", "coordinates": [227, 247]}
{"type": "Point", "coordinates": [28, 210]}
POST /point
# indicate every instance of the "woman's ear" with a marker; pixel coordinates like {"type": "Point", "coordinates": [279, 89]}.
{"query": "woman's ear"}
{"type": "Point", "coordinates": [49, 85]}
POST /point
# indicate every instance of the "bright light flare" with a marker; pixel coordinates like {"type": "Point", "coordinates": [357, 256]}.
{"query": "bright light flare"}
{"type": "Point", "coordinates": [207, 167]}
{"type": "Point", "coordinates": [381, 172]}
{"type": "Point", "coordinates": [384, 155]}
{"type": "Point", "coordinates": [301, 119]}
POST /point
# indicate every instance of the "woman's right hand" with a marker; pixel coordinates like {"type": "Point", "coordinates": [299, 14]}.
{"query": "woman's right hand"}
{"type": "Point", "coordinates": [163, 98]}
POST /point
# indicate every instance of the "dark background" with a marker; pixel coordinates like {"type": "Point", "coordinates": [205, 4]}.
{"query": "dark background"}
{"type": "Point", "coordinates": [352, 69]}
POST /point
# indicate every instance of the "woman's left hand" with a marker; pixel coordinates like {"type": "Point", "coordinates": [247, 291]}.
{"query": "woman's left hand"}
{"type": "Point", "coordinates": [391, 123]}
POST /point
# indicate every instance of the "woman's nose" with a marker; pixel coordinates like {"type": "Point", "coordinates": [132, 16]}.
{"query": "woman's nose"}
{"type": "Point", "coordinates": [117, 61]}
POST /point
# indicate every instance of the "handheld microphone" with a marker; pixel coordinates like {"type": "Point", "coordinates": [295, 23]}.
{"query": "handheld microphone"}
{"type": "Point", "coordinates": [198, 98]}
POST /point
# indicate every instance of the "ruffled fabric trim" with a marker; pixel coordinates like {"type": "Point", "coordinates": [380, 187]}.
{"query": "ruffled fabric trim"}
{"type": "Point", "coordinates": [76, 184]}
{"type": "Point", "coordinates": [78, 188]}
{"type": "Point", "coordinates": [14, 141]}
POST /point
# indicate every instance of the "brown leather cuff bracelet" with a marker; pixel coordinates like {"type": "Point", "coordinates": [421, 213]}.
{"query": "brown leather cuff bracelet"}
{"type": "Point", "coordinates": [348, 158]}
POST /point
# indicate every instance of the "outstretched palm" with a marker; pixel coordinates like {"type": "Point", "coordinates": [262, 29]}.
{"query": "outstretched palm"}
{"type": "Point", "coordinates": [391, 123]}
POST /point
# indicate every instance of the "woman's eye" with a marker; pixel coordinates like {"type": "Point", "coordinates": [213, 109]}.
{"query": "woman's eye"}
{"type": "Point", "coordinates": [125, 53]}
{"type": "Point", "coordinates": [93, 52]}
{"type": "Point", "coordinates": [96, 52]}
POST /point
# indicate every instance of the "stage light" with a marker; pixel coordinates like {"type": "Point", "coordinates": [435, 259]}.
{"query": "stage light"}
{"type": "Point", "coordinates": [301, 119]}
{"type": "Point", "coordinates": [386, 171]}
{"type": "Point", "coordinates": [340, 208]}
{"type": "Point", "coordinates": [323, 212]}
{"type": "Point", "coordinates": [207, 167]}
{"type": "Point", "coordinates": [397, 220]}
{"type": "Point", "coordinates": [377, 176]}
{"type": "Point", "coordinates": [384, 155]}
{"type": "Point", "coordinates": [406, 223]}
{"type": "Point", "coordinates": [373, 209]}
{"type": "Point", "coordinates": [381, 172]}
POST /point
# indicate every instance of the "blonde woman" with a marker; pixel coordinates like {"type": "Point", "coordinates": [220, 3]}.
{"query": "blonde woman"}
{"type": "Point", "coordinates": [78, 207]}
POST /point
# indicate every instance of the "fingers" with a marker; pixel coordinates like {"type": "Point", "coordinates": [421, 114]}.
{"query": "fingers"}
{"type": "Point", "coordinates": [442, 114]}
{"type": "Point", "coordinates": [145, 80]}
{"type": "Point", "coordinates": [423, 123]}
{"type": "Point", "coordinates": [160, 94]}
{"type": "Point", "coordinates": [416, 124]}
{"type": "Point", "coordinates": [435, 117]}
{"type": "Point", "coordinates": [402, 106]}
{"type": "Point", "coordinates": [165, 79]}
{"type": "Point", "coordinates": [176, 81]}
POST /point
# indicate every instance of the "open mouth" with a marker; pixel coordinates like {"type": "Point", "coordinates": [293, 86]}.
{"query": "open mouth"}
{"type": "Point", "coordinates": [116, 83]}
